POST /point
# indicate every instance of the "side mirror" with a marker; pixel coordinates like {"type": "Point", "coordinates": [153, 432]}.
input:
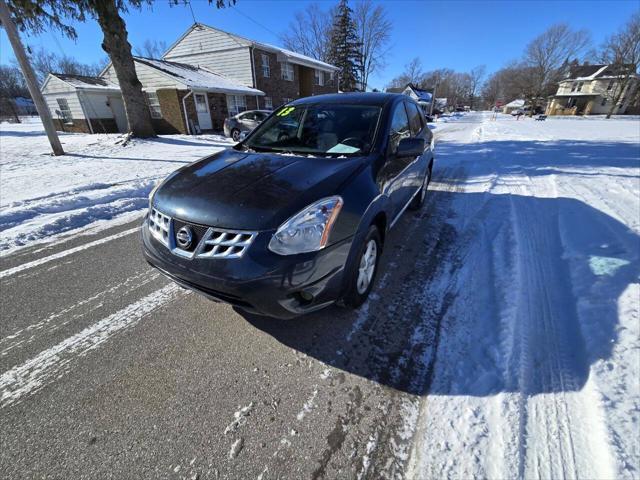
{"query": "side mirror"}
{"type": "Point", "coordinates": [410, 147]}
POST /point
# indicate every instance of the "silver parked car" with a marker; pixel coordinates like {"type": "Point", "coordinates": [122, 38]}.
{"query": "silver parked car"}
{"type": "Point", "coordinates": [244, 122]}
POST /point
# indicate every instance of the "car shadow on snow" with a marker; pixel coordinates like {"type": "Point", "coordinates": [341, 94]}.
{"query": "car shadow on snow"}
{"type": "Point", "coordinates": [514, 293]}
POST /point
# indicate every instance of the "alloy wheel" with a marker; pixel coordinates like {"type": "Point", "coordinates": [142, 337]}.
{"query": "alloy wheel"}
{"type": "Point", "coordinates": [367, 266]}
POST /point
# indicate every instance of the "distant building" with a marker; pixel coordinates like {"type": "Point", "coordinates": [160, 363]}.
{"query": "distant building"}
{"type": "Point", "coordinates": [589, 89]}
{"type": "Point", "coordinates": [423, 96]}
{"type": "Point", "coordinates": [517, 104]}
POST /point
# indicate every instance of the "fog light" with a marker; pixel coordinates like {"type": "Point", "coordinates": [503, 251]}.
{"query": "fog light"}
{"type": "Point", "coordinates": [306, 296]}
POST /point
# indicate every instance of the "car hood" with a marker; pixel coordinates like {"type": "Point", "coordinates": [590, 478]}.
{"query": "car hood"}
{"type": "Point", "coordinates": [250, 191]}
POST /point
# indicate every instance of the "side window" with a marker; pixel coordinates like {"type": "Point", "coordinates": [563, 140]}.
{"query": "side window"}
{"type": "Point", "coordinates": [248, 116]}
{"type": "Point", "coordinates": [415, 118]}
{"type": "Point", "coordinates": [65, 111]}
{"type": "Point", "coordinates": [154, 105]}
{"type": "Point", "coordinates": [399, 126]}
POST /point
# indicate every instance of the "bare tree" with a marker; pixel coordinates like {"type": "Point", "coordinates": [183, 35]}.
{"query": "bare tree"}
{"type": "Point", "coordinates": [308, 32]}
{"type": "Point", "coordinates": [476, 75]}
{"type": "Point", "coordinates": [151, 49]}
{"type": "Point", "coordinates": [544, 57]}
{"type": "Point", "coordinates": [412, 74]}
{"type": "Point", "coordinates": [492, 90]}
{"type": "Point", "coordinates": [621, 51]}
{"type": "Point", "coordinates": [45, 62]}
{"type": "Point", "coordinates": [12, 85]}
{"type": "Point", "coordinates": [374, 32]}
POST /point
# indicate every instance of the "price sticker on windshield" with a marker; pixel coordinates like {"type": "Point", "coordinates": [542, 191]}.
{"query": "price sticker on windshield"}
{"type": "Point", "coordinates": [285, 111]}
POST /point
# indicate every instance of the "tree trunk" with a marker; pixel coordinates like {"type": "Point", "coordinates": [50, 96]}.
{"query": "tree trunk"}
{"type": "Point", "coordinates": [117, 46]}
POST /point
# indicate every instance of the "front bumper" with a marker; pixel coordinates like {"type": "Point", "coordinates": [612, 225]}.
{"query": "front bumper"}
{"type": "Point", "coordinates": [260, 281]}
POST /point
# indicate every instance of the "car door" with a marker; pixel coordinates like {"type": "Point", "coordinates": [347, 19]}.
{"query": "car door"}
{"type": "Point", "coordinates": [416, 169]}
{"type": "Point", "coordinates": [393, 169]}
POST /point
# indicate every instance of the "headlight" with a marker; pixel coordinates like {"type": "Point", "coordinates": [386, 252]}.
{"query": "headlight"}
{"type": "Point", "coordinates": [308, 230]}
{"type": "Point", "coordinates": [152, 193]}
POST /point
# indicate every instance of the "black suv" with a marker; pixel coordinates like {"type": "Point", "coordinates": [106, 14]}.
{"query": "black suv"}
{"type": "Point", "coordinates": [295, 216]}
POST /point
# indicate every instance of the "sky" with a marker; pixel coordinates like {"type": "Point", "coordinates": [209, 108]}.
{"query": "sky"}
{"type": "Point", "coordinates": [443, 34]}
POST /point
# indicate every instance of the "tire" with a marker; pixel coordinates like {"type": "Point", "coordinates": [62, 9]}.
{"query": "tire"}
{"type": "Point", "coordinates": [357, 289]}
{"type": "Point", "coordinates": [418, 200]}
{"type": "Point", "coordinates": [235, 135]}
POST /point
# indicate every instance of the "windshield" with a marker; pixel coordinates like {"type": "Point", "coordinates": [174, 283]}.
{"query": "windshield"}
{"type": "Point", "coordinates": [331, 130]}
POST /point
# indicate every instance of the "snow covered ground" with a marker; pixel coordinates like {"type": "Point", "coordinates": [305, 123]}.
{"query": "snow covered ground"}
{"type": "Point", "coordinates": [533, 369]}
{"type": "Point", "coordinates": [97, 183]}
{"type": "Point", "coordinates": [537, 368]}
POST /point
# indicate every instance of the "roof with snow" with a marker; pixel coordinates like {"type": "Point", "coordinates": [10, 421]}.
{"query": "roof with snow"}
{"type": "Point", "coordinates": [283, 53]}
{"type": "Point", "coordinates": [591, 72]}
{"type": "Point", "coordinates": [198, 77]}
{"type": "Point", "coordinates": [515, 103]}
{"type": "Point", "coordinates": [422, 94]}
{"type": "Point", "coordinates": [84, 82]}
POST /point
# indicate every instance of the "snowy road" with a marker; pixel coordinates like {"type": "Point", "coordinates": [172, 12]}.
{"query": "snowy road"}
{"type": "Point", "coordinates": [501, 340]}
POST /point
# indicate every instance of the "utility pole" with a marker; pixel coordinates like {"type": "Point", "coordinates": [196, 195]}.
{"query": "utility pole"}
{"type": "Point", "coordinates": [30, 78]}
{"type": "Point", "coordinates": [433, 97]}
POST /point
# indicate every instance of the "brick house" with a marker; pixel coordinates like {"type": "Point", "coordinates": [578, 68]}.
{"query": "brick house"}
{"type": "Point", "coordinates": [281, 74]}
{"type": "Point", "coordinates": [181, 98]}
{"type": "Point", "coordinates": [204, 77]}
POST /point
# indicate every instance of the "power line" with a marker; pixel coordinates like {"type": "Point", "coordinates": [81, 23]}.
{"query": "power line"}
{"type": "Point", "coordinates": [256, 22]}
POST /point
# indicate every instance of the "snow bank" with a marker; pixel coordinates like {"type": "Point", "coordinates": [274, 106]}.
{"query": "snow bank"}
{"type": "Point", "coordinates": [537, 372]}
{"type": "Point", "coordinates": [97, 183]}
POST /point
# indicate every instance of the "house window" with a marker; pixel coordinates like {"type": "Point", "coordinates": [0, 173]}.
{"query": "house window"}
{"type": "Point", "coordinates": [286, 100]}
{"type": "Point", "coordinates": [268, 103]}
{"type": "Point", "coordinates": [319, 77]}
{"type": "Point", "coordinates": [287, 71]}
{"type": "Point", "coordinates": [154, 105]}
{"type": "Point", "coordinates": [266, 70]}
{"type": "Point", "coordinates": [610, 86]}
{"type": "Point", "coordinates": [65, 111]}
{"type": "Point", "coordinates": [604, 101]}
{"type": "Point", "coordinates": [331, 75]}
{"type": "Point", "coordinates": [573, 87]}
{"type": "Point", "coordinates": [579, 89]}
{"type": "Point", "coordinates": [236, 104]}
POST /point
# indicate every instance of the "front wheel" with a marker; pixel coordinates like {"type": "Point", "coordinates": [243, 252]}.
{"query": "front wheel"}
{"type": "Point", "coordinates": [235, 135]}
{"type": "Point", "coordinates": [364, 273]}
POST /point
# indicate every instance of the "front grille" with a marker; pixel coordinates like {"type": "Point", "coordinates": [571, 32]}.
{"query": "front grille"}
{"type": "Point", "coordinates": [208, 242]}
{"type": "Point", "coordinates": [159, 225]}
{"type": "Point", "coordinates": [226, 243]}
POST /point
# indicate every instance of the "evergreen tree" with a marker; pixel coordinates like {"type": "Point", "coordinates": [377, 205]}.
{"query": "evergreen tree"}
{"type": "Point", "coordinates": [345, 48]}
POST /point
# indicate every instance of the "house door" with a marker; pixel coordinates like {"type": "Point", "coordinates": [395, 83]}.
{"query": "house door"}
{"type": "Point", "coordinates": [202, 109]}
{"type": "Point", "coordinates": [117, 107]}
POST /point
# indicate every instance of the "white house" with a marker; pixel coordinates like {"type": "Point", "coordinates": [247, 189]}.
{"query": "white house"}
{"type": "Point", "coordinates": [84, 104]}
{"type": "Point", "coordinates": [591, 89]}
{"type": "Point", "coordinates": [516, 104]}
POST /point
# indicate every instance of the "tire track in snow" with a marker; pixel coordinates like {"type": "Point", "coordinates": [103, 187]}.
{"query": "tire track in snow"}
{"type": "Point", "coordinates": [52, 363]}
{"type": "Point", "coordinates": [554, 406]}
